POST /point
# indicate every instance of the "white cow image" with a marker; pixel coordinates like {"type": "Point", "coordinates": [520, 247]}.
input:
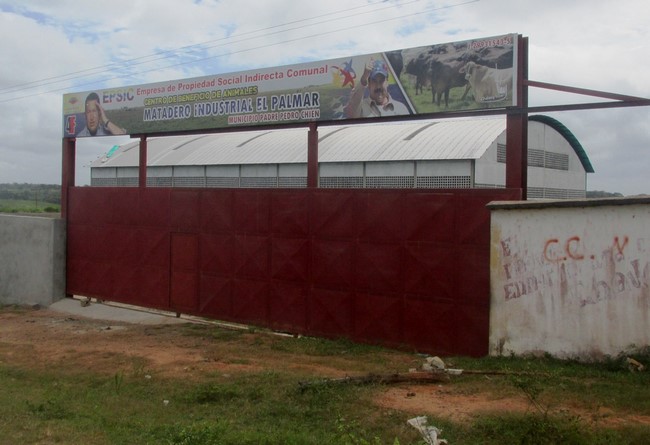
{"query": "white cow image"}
{"type": "Point", "coordinates": [488, 84]}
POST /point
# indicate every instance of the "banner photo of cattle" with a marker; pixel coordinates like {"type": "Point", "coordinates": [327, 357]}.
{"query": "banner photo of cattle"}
{"type": "Point", "coordinates": [467, 75]}
{"type": "Point", "coordinates": [438, 78]}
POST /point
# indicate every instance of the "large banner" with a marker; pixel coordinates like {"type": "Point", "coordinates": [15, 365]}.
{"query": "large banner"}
{"type": "Point", "coordinates": [469, 75]}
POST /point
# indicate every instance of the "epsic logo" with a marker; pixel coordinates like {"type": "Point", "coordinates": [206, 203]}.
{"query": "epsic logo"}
{"type": "Point", "coordinates": [117, 95]}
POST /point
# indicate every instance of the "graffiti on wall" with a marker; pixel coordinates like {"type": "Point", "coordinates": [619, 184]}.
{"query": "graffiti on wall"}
{"type": "Point", "coordinates": [576, 269]}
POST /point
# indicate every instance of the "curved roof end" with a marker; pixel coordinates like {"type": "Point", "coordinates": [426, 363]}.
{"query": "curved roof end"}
{"type": "Point", "coordinates": [570, 137]}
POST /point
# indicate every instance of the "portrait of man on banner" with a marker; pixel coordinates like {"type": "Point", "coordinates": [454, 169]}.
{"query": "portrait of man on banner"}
{"type": "Point", "coordinates": [97, 122]}
{"type": "Point", "coordinates": [371, 96]}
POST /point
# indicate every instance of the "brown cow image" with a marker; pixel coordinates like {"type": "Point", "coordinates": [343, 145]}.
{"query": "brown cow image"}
{"type": "Point", "coordinates": [439, 76]}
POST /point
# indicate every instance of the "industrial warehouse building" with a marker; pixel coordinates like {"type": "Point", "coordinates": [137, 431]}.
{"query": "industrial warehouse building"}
{"type": "Point", "coordinates": [456, 153]}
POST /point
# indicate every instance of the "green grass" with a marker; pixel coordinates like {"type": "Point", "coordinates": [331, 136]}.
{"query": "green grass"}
{"type": "Point", "coordinates": [24, 206]}
{"type": "Point", "coordinates": [254, 409]}
{"type": "Point", "coordinates": [66, 405]}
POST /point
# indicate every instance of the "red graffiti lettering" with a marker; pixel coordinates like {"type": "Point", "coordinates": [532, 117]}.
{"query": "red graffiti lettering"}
{"type": "Point", "coordinates": [618, 246]}
{"type": "Point", "coordinates": [505, 245]}
{"type": "Point", "coordinates": [571, 251]}
{"type": "Point", "coordinates": [547, 246]}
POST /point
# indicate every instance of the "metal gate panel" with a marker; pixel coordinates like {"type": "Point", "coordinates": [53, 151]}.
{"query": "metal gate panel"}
{"type": "Point", "coordinates": [378, 319]}
{"type": "Point", "coordinates": [89, 278]}
{"type": "Point", "coordinates": [215, 296]}
{"type": "Point", "coordinates": [124, 275]}
{"type": "Point", "coordinates": [84, 199]}
{"type": "Point", "coordinates": [251, 211]}
{"type": "Point", "coordinates": [473, 277]}
{"type": "Point", "coordinates": [184, 291]}
{"type": "Point", "coordinates": [428, 217]}
{"type": "Point", "coordinates": [288, 308]}
{"type": "Point", "coordinates": [331, 313]}
{"type": "Point", "coordinates": [433, 322]}
{"type": "Point", "coordinates": [379, 267]}
{"type": "Point", "coordinates": [472, 219]}
{"type": "Point", "coordinates": [79, 244]}
{"type": "Point", "coordinates": [251, 256]}
{"type": "Point", "coordinates": [152, 284]}
{"type": "Point", "coordinates": [428, 269]}
{"type": "Point", "coordinates": [145, 277]}
{"type": "Point", "coordinates": [122, 206]}
{"type": "Point", "coordinates": [332, 264]}
{"type": "Point", "coordinates": [185, 209]}
{"type": "Point", "coordinates": [153, 248]}
{"type": "Point", "coordinates": [472, 323]}
{"type": "Point", "coordinates": [290, 215]}
{"type": "Point", "coordinates": [385, 266]}
{"type": "Point", "coordinates": [184, 284]}
{"type": "Point", "coordinates": [153, 209]}
{"type": "Point", "coordinates": [124, 252]}
{"type": "Point", "coordinates": [290, 259]}
{"type": "Point", "coordinates": [217, 254]}
{"type": "Point", "coordinates": [78, 257]}
{"type": "Point", "coordinates": [334, 214]}
{"type": "Point", "coordinates": [90, 262]}
{"type": "Point", "coordinates": [216, 214]}
{"type": "Point", "coordinates": [250, 300]}
{"type": "Point", "coordinates": [381, 217]}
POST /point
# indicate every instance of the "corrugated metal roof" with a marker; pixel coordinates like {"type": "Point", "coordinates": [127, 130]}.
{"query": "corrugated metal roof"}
{"type": "Point", "coordinates": [395, 141]}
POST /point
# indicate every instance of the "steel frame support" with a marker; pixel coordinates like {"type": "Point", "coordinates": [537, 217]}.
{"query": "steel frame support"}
{"type": "Point", "coordinates": [142, 166]}
{"type": "Point", "coordinates": [69, 146]}
{"type": "Point", "coordinates": [517, 128]}
{"type": "Point", "coordinates": [312, 156]}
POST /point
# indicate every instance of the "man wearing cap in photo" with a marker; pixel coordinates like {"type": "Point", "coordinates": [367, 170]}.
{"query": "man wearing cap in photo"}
{"type": "Point", "coordinates": [97, 123]}
{"type": "Point", "coordinates": [378, 102]}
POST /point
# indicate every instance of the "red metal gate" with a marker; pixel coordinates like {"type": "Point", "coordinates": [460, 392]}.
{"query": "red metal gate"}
{"type": "Point", "coordinates": [394, 267]}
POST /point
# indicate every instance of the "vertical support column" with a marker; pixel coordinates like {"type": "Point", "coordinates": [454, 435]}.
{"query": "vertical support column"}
{"type": "Point", "coordinates": [312, 156]}
{"type": "Point", "coordinates": [142, 176]}
{"type": "Point", "coordinates": [67, 172]}
{"type": "Point", "coordinates": [517, 127]}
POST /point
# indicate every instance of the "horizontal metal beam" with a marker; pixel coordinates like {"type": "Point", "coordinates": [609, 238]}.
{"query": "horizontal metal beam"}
{"type": "Point", "coordinates": [586, 106]}
{"type": "Point", "coordinates": [583, 91]}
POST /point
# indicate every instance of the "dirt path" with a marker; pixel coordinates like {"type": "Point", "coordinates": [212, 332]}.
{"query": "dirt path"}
{"type": "Point", "coordinates": [44, 338]}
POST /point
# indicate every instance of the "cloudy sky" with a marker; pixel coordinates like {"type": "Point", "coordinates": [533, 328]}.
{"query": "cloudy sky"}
{"type": "Point", "coordinates": [60, 46]}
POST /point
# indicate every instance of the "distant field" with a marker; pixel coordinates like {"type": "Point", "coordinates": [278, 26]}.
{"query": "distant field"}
{"type": "Point", "coordinates": [24, 206]}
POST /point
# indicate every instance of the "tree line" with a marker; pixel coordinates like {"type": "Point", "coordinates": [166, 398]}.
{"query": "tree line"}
{"type": "Point", "coordinates": [43, 193]}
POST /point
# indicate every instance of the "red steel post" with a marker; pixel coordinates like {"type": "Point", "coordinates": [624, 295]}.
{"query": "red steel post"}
{"type": "Point", "coordinates": [517, 127]}
{"type": "Point", "coordinates": [312, 156]}
{"type": "Point", "coordinates": [67, 172]}
{"type": "Point", "coordinates": [142, 177]}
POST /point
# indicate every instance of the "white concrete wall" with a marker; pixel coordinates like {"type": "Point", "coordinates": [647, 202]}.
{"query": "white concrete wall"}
{"type": "Point", "coordinates": [570, 278]}
{"type": "Point", "coordinates": [32, 260]}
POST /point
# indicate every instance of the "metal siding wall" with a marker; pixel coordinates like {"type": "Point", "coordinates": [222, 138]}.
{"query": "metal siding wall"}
{"type": "Point", "coordinates": [396, 267]}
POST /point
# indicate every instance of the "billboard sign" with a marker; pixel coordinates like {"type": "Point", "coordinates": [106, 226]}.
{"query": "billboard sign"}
{"type": "Point", "coordinates": [468, 75]}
